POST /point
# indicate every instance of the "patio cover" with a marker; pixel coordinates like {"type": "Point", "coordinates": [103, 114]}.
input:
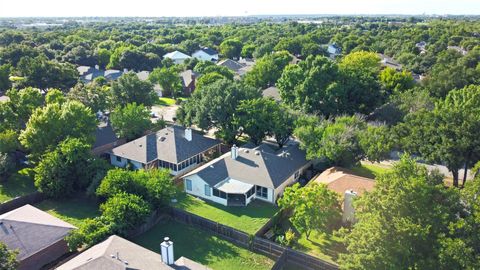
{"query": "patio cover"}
{"type": "Point", "coordinates": [233, 186]}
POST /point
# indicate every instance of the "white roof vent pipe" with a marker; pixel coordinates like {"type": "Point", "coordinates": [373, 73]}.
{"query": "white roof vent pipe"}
{"type": "Point", "coordinates": [188, 134]}
{"type": "Point", "coordinates": [166, 249]}
{"type": "Point", "coordinates": [234, 152]}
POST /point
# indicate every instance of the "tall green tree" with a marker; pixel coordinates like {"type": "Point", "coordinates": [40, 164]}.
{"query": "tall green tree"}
{"type": "Point", "coordinates": [129, 88]}
{"type": "Point", "coordinates": [394, 81]}
{"type": "Point", "coordinates": [54, 123]}
{"type": "Point", "coordinates": [215, 106]}
{"type": "Point", "coordinates": [402, 222]}
{"type": "Point", "coordinates": [66, 170]}
{"type": "Point", "coordinates": [168, 79]}
{"type": "Point", "coordinates": [268, 69]}
{"type": "Point", "coordinates": [131, 121]}
{"type": "Point", "coordinates": [448, 133]}
{"type": "Point", "coordinates": [5, 83]}
{"type": "Point", "coordinates": [314, 207]}
{"type": "Point", "coordinates": [231, 48]}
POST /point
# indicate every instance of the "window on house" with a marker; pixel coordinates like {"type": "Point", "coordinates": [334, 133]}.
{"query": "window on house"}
{"type": "Point", "coordinates": [188, 184]}
{"type": "Point", "coordinates": [119, 159]}
{"type": "Point", "coordinates": [251, 192]}
{"type": "Point", "coordinates": [207, 190]}
{"type": "Point", "coordinates": [220, 194]}
{"type": "Point", "coordinates": [262, 192]}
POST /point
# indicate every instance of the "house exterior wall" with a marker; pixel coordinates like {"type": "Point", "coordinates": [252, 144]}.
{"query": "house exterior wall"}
{"type": "Point", "coordinates": [123, 162]}
{"type": "Point", "coordinates": [201, 55]}
{"type": "Point", "coordinates": [198, 189]}
{"type": "Point", "coordinates": [270, 197]}
{"type": "Point", "coordinates": [45, 256]}
{"type": "Point", "coordinates": [290, 181]}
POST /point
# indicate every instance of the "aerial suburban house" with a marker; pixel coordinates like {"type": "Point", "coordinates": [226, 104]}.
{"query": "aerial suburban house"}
{"type": "Point", "coordinates": [118, 253]}
{"type": "Point", "coordinates": [88, 74]}
{"type": "Point", "coordinates": [37, 236]}
{"type": "Point", "coordinates": [206, 54]}
{"type": "Point", "coordinates": [334, 50]}
{"type": "Point", "coordinates": [105, 137]}
{"type": "Point", "coordinates": [237, 67]}
{"type": "Point", "coordinates": [177, 57]}
{"type": "Point", "coordinates": [247, 173]}
{"type": "Point", "coordinates": [389, 62]}
{"type": "Point", "coordinates": [272, 92]}
{"type": "Point", "coordinates": [188, 78]}
{"type": "Point", "coordinates": [346, 184]}
{"type": "Point", "coordinates": [176, 148]}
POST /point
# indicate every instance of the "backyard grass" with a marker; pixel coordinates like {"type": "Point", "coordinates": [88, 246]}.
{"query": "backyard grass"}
{"type": "Point", "coordinates": [321, 245]}
{"type": "Point", "coordinates": [370, 170]}
{"type": "Point", "coordinates": [18, 184]}
{"type": "Point", "coordinates": [248, 219]}
{"type": "Point", "coordinates": [202, 247]}
{"type": "Point", "coordinates": [73, 210]}
{"type": "Point", "coordinates": [165, 101]}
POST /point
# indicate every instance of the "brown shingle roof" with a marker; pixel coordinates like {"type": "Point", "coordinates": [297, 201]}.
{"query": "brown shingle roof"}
{"type": "Point", "coordinates": [340, 180]}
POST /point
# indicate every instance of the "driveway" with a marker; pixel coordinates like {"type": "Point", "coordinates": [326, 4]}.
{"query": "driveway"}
{"type": "Point", "coordinates": [166, 112]}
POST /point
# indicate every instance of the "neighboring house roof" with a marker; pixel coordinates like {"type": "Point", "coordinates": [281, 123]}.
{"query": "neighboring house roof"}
{"type": "Point", "coordinates": [389, 62]}
{"type": "Point", "coordinates": [88, 74]}
{"type": "Point", "coordinates": [340, 180]}
{"type": "Point", "coordinates": [103, 256]}
{"type": "Point", "coordinates": [168, 144]}
{"type": "Point", "coordinates": [188, 76]}
{"type": "Point", "coordinates": [4, 99]}
{"type": "Point", "coordinates": [208, 51]}
{"type": "Point", "coordinates": [31, 230]}
{"type": "Point", "coordinates": [143, 75]}
{"type": "Point", "coordinates": [130, 256]}
{"type": "Point", "coordinates": [104, 134]}
{"type": "Point", "coordinates": [272, 92]}
{"type": "Point", "coordinates": [176, 55]}
{"type": "Point", "coordinates": [259, 165]}
{"type": "Point", "coordinates": [231, 64]}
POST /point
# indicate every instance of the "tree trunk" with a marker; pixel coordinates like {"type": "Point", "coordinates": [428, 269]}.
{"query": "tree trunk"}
{"type": "Point", "coordinates": [455, 177]}
{"type": "Point", "coordinates": [465, 173]}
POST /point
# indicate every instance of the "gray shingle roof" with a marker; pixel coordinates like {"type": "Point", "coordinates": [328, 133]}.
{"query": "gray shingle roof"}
{"type": "Point", "coordinates": [230, 64]}
{"type": "Point", "coordinates": [168, 144]}
{"type": "Point", "coordinates": [104, 135]}
{"type": "Point", "coordinates": [31, 230]}
{"type": "Point", "coordinates": [100, 257]}
{"type": "Point", "coordinates": [187, 76]}
{"type": "Point", "coordinates": [257, 166]}
{"type": "Point", "coordinates": [272, 92]}
{"type": "Point", "coordinates": [209, 51]}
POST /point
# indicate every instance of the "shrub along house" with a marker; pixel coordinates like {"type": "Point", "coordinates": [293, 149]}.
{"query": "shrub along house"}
{"type": "Point", "coordinates": [176, 148]}
{"type": "Point", "coordinates": [248, 173]}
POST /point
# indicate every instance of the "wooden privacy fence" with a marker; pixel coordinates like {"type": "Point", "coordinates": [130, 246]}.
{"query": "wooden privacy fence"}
{"type": "Point", "coordinates": [229, 233]}
{"type": "Point", "coordinates": [31, 198]}
{"type": "Point", "coordinates": [282, 255]}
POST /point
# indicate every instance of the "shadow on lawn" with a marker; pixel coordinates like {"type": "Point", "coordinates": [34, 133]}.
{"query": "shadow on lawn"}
{"type": "Point", "coordinates": [256, 209]}
{"type": "Point", "coordinates": [188, 241]}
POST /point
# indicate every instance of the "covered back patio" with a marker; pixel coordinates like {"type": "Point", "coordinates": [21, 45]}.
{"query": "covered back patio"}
{"type": "Point", "coordinates": [235, 192]}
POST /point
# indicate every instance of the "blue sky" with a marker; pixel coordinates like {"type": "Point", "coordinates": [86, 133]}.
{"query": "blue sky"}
{"type": "Point", "coordinates": [158, 8]}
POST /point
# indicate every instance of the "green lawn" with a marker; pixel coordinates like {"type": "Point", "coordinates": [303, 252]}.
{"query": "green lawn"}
{"type": "Point", "coordinates": [321, 245]}
{"type": "Point", "coordinates": [18, 184]}
{"type": "Point", "coordinates": [325, 246]}
{"type": "Point", "coordinates": [247, 219]}
{"type": "Point", "coordinates": [165, 101]}
{"type": "Point", "coordinates": [202, 247]}
{"type": "Point", "coordinates": [370, 170]}
{"type": "Point", "coordinates": [73, 211]}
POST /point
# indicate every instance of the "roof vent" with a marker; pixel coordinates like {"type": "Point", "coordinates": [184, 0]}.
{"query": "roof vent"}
{"type": "Point", "coordinates": [140, 145]}
{"type": "Point", "coordinates": [246, 151]}
{"type": "Point", "coordinates": [257, 153]}
{"type": "Point", "coordinates": [162, 139]}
